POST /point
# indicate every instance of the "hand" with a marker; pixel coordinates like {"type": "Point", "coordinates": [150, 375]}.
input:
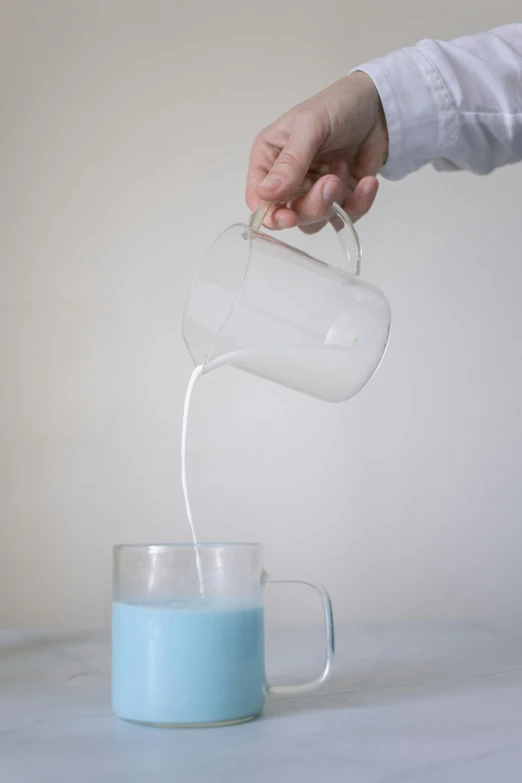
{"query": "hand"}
{"type": "Point", "coordinates": [333, 143]}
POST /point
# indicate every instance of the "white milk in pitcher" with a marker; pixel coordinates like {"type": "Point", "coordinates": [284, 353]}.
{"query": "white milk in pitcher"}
{"type": "Point", "coordinates": [331, 372]}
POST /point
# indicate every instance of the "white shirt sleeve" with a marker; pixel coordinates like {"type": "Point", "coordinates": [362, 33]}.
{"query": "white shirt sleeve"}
{"type": "Point", "coordinates": [457, 105]}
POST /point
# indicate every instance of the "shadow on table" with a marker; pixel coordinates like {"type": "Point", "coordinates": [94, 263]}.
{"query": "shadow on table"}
{"type": "Point", "coordinates": [389, 686]}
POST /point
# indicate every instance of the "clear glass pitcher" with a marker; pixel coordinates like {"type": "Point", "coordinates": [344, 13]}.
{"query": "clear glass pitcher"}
{"type": "Point", "coordinates": [180, 659]}
{"type": "Point", "coordinates": [270, 309]}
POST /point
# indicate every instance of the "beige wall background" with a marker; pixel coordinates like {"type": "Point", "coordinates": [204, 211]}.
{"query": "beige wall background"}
{"type": "Point", "coordinates": [124, 139]}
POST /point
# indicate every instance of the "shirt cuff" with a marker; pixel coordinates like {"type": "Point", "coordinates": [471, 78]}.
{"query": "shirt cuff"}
{"type": "Point", "coordinates": [421, 119]}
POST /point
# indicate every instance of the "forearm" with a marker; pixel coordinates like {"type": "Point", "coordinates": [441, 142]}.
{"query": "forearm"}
{"type": "Point", "coordinates": [456, 105]}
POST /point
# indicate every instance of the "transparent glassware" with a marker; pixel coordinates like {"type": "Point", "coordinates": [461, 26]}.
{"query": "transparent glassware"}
{"type": "Point", "coordinates": [180, 659]}
{"type": "Point", "coordinates": [269, 308]}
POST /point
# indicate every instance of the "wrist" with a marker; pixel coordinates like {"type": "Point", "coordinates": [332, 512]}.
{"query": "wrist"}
{"type": "Point", "coordinates": [419, 115]}
{"type": "Point", "coordinates": [368, 97]}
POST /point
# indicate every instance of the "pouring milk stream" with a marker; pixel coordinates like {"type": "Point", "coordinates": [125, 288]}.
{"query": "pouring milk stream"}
{"type": "Point", "coordinates": [272, 310]}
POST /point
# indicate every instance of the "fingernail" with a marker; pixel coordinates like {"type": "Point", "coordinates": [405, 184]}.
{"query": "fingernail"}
{"type": "Point", "coordinates": [330, 190]}
{"type": "Point", "coordinates": [368, 189]}
{"type": "Point", "coordinates": [271, 182]}
{"type": "Point", "coordinates": [280, 224]}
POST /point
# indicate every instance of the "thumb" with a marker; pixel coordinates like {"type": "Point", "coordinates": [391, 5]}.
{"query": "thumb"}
{"type": "Point", "coordinates": [292, 165]}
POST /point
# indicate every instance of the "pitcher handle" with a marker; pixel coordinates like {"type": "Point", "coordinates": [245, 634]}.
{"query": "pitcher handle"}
{"type": "Point", "coordinates": [347, 235]}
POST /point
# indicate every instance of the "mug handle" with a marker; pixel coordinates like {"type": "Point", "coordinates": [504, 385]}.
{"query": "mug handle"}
{"type": "Point", "coordinates": [313, 685]}
{"type": "Point", "coordinates": [347, 235]}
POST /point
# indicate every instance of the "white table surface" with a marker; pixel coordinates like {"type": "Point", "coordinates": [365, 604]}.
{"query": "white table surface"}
{"type": "Point", "coordinates": [419, 704]}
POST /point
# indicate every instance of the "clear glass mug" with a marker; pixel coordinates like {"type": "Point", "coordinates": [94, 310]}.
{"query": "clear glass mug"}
{"type": "Point", "coordinates": [191, 653]}
{"type": "Point", "coordinates": [270, 309]}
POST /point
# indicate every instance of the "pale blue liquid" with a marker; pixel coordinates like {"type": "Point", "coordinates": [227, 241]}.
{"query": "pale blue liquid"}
{"type": "Point", "coordinates": [187, 661]}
